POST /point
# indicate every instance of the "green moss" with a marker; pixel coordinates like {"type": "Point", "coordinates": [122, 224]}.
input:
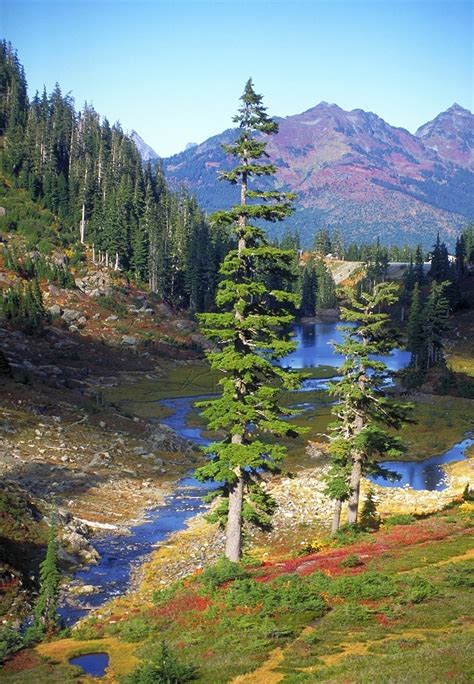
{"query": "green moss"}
{"type": "Point", "coordinates": [141, 398]}
{"type": "Point", "coordinates": [440, 423]}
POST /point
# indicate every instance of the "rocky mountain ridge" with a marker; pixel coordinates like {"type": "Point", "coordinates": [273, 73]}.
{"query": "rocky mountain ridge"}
{"type": "Point", "coordinates": [352, 170]}
{"type": "Point", "coordinates": [146, 152]}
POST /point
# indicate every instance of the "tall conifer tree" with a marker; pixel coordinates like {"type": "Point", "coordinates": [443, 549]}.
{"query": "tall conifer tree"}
{"type": "Point", "coordinates": [365, 411]}
{"type": "Point", "coordinates": [248, 333]}
{"type": "Point", "coordinates": [46, 615]}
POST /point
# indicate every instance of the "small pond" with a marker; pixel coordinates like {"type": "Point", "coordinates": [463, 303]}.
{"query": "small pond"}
{"type": "Point", "coordinates": [427, 474]}
{"type": "Point", "coordinates": [93, 664]}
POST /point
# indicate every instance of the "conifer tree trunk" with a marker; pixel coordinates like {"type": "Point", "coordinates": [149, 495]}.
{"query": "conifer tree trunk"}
{"type": "Point", "coordinates": [336, 519]}
{"type": "Point", "coordinates": [356, 474]}
{"type": "Point", "coordinates": [356, 470]}
{"type": "Point", "coordinates": [233, 546]}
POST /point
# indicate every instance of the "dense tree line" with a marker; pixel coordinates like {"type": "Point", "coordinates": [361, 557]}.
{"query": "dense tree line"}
{"type": "Point", "coordinates": [90, 175]}
{"type": "Point", "coordinates": [431, 299]}
{"type": "Point", "coordinates": [317, 287]}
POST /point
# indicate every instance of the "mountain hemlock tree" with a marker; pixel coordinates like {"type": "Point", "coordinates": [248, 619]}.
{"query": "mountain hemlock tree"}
{"type": "Point", "coordinates": [415, 336]}
{"type": "Point", "coordinates": [326, 287]}
{"type": "Point", "coordinates": [247, 330]}
{"type": "Point", "coordinates": [365, 411]}
{"type": "Point", "coordinates": [46, 615]}
{"type": "Point", "coordinates": [427, 323]}
{"type": "Point", "coordinates": [308, 289]}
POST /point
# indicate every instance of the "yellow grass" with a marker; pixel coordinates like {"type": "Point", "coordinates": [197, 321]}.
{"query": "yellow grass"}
{"type": "Point", "coordinates": [122, 658]}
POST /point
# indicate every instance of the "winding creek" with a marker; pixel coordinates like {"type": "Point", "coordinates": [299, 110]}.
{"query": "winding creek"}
{"type": "Point", "coordinates": [121, 555]}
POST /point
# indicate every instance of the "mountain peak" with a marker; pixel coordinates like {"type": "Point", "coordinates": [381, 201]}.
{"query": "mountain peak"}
{"type": "Point", "coordinates": [451, 135]}
{"type": "Point", "coordinates": [457, 109]}
{"type": "Point", "coordinates": [146, 152]}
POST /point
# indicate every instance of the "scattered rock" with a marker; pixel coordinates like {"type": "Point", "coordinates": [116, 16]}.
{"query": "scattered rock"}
{"type": "Point", "coordinates": [55, 311]}
{"type": "Point", "coordinates": [202, 342]}
{"type": "Point", "coordinates": [164, 310]}
{"type": "Point", "coordinates": [70, 315]}
{"type": "Point", "coordinates": [184, 325]}
{"type": "Point", "coordinates": [85, 589]}
{"type": "Point", "coordinates": [59, 258]}
{"type": "Point", "coordinates": [129, 341]}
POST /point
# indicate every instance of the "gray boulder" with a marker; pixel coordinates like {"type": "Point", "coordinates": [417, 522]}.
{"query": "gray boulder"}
{"type": "Point", "coordinates": [54, 310]}
{"type": "Point", "coordinates": [129, 341]}
{"type": "Point", "coordinates": [70, 315]}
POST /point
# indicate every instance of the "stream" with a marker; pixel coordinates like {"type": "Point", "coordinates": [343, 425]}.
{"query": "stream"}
{"type": "Point", "coordinates": [120, 555]}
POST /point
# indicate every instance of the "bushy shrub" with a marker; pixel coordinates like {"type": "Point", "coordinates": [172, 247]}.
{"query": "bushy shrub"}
{"type": "Point", "coordinates": [161, 596]}
{"type": "Point", "coordinates": [87, 630]}
{"type": "Point", "coordinates": [134, 629]}
{"type": "Point", "coordinates": [288, 592]}
{"type": "Point", "coordinates": [319, 581]}
{"type": "Point", "coordinates": [111, 304]}
{"type": "Point", "coordinates": [399, 519]}
{"type": "Point", "coordinates": [10, 641]}
{"type": "Point", "coordinates": [459, 575]}
{"type": "Point", "coordinates": [367, 585]}
{"type": "Point", "coordinates": [249, 593]}
{"type": "Point", "coordinates": [296, 594]}
{"type": "Point", "coordinates": [222, 571]}
{"type": "Point", "coordinates": [348, 615]}
{"type": "Point", "coordinates": [417, 589]}
{"type": "Point", "coordinates": [351, 561]}
{"type": "Point", "coordinates": [164, 668]}
{"type": "Point", "coordinates": [348, 534]}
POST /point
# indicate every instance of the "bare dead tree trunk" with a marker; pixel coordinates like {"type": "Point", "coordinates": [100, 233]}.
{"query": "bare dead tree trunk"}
{"type": "Point", "coordinates": [93, 253]}
{"type": "Point", "coordinates": [116, 265]}
{"type": "Point", "coordinates": [82, 225]}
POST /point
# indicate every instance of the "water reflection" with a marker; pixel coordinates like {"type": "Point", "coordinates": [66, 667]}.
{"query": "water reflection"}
{"type": "Point", "coordinates": [315, 348]}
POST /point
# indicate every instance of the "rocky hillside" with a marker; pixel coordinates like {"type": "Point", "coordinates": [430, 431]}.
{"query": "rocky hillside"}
{"type": "Point", "coordinates": [451, 136]}
{"type": "Point", "coordinates": [63, 445]}
{"type": "Point", "coordinates": [352, 170]}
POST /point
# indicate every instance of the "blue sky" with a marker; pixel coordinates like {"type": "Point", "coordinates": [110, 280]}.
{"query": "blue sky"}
{"type": "Point", "coordinates": [174, 69]}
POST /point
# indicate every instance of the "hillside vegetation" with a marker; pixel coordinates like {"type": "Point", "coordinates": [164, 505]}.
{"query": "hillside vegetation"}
{"type": "Point", "coordinates": [391, 605]}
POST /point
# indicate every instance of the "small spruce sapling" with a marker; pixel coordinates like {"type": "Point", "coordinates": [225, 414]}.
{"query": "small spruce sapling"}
{"type": "Point", "coordinates": [369, 518]}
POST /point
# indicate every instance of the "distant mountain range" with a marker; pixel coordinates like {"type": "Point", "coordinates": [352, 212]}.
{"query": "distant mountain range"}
{"type": "Point", "coordinates": [353, 171]}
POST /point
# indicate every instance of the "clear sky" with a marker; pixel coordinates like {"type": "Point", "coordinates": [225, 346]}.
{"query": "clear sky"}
{"type": "Point", "coordinates": [174, 69]}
